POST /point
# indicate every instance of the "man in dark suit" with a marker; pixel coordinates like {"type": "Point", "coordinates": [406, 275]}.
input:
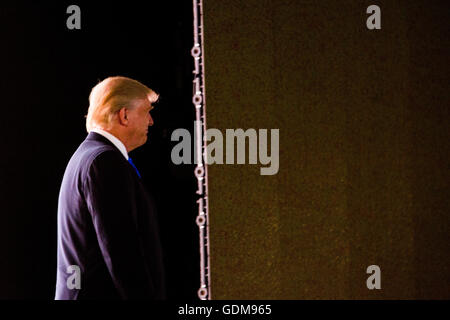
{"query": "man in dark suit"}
{"type": "Point", "coordinates": [108, 242]}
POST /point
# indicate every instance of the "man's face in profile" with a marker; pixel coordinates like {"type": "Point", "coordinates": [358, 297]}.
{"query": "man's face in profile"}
{"type": "Point", "coordinates": [139, 121]}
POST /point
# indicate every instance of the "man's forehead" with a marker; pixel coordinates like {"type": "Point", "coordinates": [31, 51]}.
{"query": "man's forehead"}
{"type": "Point", "coordinates": [149, 104]}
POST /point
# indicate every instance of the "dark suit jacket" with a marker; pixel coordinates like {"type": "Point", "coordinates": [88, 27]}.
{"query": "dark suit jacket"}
{"type": "Point", "coordinates": [107, 226]}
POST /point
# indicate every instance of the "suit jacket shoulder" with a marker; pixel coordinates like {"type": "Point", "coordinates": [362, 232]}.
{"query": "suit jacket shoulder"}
{"type": "Point", "coordinates": [107, 226]}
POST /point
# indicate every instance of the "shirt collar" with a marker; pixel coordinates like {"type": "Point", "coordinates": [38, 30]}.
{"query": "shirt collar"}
{"type": "Point", "coordinates": [119, 145]}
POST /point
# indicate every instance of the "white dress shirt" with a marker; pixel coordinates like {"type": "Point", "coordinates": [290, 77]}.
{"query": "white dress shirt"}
{"type": "Point", "coordinates": [119, 145]}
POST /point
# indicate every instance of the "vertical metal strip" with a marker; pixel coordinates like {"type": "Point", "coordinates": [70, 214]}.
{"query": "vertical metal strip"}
{"type": "Point", "coordinates": [201, 169]}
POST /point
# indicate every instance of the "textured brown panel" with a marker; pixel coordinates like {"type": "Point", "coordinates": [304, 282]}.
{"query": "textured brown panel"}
{"type": "Point", "coordinates": [363, 178]}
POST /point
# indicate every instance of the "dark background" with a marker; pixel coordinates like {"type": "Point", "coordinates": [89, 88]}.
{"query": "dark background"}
{"type": "Point", "coordinates": [364, 148]}
{"type": "Point", "coordinates": [47, 72]}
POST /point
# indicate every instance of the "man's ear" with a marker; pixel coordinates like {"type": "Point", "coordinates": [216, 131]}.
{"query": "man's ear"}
{"type": "Point", "coordinates": [123, 116]}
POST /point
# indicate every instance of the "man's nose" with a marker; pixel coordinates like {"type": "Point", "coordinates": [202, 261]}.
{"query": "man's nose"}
{"type": "Point", "coordinates": [150, 121]}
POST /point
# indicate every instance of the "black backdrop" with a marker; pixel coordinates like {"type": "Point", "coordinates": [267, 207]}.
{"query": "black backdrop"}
{"type": "Point", "coordinates": [47, 73]}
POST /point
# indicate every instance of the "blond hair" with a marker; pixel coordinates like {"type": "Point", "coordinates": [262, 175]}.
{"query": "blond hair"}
{"type": "Point", "coordinates": [111, 95]}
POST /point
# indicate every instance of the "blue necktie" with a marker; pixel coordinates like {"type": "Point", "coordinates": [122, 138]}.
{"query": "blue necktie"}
{"type": "Point", "coordinates": [132, 164]}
